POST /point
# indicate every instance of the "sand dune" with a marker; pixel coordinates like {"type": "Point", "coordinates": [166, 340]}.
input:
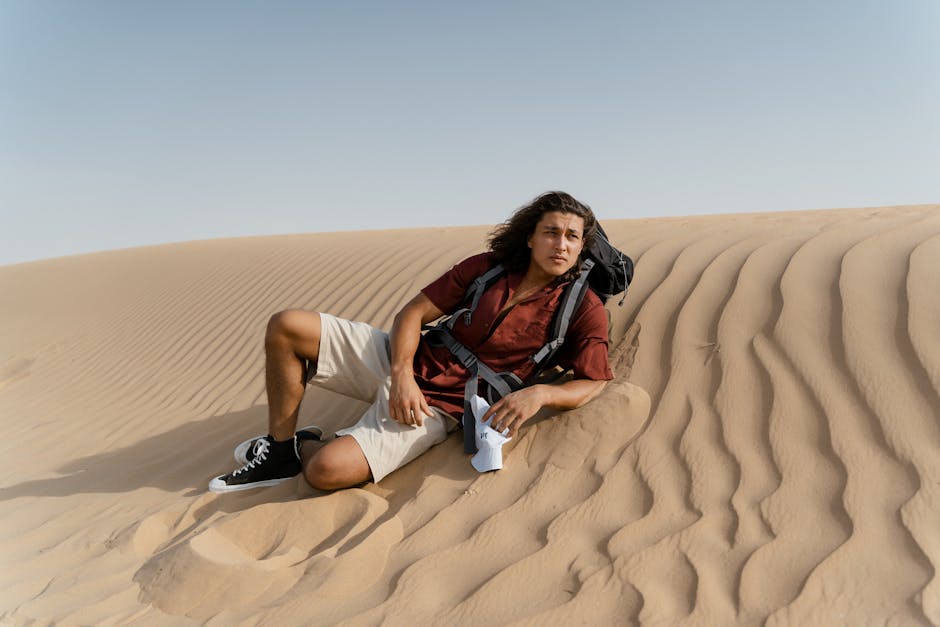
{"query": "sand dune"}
{"type": "Point", "coordinates": [769, 452]}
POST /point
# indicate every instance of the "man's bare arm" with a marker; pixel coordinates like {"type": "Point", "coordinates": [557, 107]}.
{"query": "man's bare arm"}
{"type": "Point", "coordinates": [514, 409]}
{"type": "Point", "coordinates": [406, 403]}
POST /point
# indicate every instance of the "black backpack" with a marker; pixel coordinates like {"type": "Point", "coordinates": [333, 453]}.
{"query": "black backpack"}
{"type": "Point", "coordinates": [605, 270]}
{"type": "Point", "coordinates": [612, 271]}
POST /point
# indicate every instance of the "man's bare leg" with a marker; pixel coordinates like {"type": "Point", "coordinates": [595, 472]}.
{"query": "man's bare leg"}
{"type": "Point", "coordinates": [291, 341]}
{"type": "Point", "coordinates": [292, 337]}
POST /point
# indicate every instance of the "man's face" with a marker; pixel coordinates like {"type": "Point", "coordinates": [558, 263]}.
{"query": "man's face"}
{"type": "Point", "coordinates": [557, 242]}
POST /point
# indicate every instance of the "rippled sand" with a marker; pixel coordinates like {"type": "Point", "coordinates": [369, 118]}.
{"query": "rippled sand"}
{"type": "Point", "coordinates": [769, 452]}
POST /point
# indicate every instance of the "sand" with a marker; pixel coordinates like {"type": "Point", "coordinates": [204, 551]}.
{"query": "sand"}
{"type": "Point", "coordinates": [768, 454]}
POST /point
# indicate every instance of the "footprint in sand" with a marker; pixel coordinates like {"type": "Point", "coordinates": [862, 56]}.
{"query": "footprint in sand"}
{"type": "Point", "coordinates": [258, 555]}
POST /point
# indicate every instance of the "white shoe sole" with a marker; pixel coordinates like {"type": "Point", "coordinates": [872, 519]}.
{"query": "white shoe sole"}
{"type": "Point", "coordinates": [218, 486]}
{"type": "Point", "coordinates": [241, 451]}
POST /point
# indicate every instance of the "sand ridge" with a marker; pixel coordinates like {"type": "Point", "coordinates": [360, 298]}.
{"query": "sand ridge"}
{"type": "Point", "coordinates": [767, 455]}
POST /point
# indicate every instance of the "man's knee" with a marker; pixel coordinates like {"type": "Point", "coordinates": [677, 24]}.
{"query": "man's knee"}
{"type": "Point", "coordinates": [336, 466]}
{"type": "Point", "coordinates": [290, 324]}
{"type": "Point", "coordinates": [280, 324]}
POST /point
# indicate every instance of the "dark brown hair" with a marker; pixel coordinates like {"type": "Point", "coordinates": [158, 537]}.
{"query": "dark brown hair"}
{"type": "Point", "coordinates": [509, 240]}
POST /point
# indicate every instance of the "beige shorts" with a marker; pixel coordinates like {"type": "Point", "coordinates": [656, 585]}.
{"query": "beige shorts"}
{"type": "Point", "coordinates": [355, 361]}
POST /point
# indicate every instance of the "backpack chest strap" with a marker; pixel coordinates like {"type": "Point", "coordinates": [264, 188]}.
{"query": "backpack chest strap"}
{"type": "Point", "coordinates": [476, 370]}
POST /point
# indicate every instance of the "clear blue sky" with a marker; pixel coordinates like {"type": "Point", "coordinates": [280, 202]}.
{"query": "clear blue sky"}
{"type": "Point", "coordinates": [129, 122]}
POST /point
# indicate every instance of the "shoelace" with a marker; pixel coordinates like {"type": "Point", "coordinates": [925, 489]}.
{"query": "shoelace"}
{"type": "Point", "coordinates": [259, 452]}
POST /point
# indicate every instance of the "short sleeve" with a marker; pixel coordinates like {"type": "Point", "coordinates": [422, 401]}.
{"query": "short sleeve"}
{"type": "Point", "coordinates": [448, 290]}
{"type": "Point", "coordinates": [586, 344]}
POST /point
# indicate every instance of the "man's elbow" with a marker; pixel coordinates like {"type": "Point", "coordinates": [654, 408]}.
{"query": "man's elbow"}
{"type": "Point", "coordinates": [593, 392]}
{"type": "Point", "coordinates": [411, 309]}
{"type": "Point", "coordinates": [402, 313]}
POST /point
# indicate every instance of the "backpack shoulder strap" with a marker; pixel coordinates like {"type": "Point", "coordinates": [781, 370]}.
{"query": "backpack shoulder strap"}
{"type": "Point", "coordinates": [472, 297]}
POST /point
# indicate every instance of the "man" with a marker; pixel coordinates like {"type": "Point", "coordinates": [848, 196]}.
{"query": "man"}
{"type": "Point", "coordinates": [416, 390]}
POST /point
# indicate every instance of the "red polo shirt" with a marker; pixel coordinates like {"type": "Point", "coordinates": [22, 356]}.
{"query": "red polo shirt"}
{"type": "Point", "coordinates": [507, 346]}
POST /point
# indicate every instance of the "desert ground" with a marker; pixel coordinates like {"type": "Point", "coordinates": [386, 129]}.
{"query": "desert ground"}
{"type": "Point", "coordinates": [769, 452]}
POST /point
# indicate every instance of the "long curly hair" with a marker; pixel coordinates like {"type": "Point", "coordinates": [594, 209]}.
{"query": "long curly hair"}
{"type": "Point", "coordinates": [509, 240]}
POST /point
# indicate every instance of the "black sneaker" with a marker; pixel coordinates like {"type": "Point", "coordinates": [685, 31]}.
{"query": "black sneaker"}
{"type": "Point", "coordinates": [245, 452]}
{"type": "Point", "coordinates": [267, 467]}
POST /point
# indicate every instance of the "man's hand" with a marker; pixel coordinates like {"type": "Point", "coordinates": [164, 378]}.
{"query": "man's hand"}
{"type": "Point", "coordinates": [406, 402]}
{"type": "Point", "coordinates": [514, 409]}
